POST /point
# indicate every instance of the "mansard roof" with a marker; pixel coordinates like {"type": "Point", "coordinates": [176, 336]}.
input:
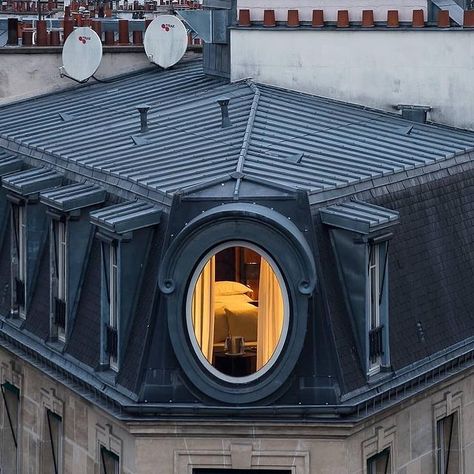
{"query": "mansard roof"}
{"type": "Point", "coordinates": [281, 144]}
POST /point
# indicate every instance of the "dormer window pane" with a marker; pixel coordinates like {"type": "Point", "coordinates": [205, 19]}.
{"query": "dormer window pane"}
{"type": "Point", "coordinates": [113, 303]}
{"type": "Point", "coordinates": [59, 287]}
{"type": "Point", "coordinates": [18, 260]}
{"type": "Point", "coordinates": [375, 328]}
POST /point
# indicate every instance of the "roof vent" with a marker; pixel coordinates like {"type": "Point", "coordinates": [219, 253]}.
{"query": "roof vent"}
{"type": "Point", "coordinates": [414, 113]}
{"type": "Point", "coordinates": [143, 109]}
{"type": "Point", "coordinates": [224, 104]}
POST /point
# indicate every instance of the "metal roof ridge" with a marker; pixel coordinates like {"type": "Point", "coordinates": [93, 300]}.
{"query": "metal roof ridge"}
{"type": "Point", "coordinates": [248, 132]}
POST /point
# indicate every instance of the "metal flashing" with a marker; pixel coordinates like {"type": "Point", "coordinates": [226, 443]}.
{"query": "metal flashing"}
{"type": "Point", "coordinates": [126, 217]}
{"type": "Point", "coordinates": [358, 216]}
{"type": "Point", "coordinates": [72, 197]}
{"type": "Point", "coordinates": [32, 181]}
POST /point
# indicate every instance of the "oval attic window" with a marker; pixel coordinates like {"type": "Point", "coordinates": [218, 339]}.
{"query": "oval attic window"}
{"type": "Point", "coordinates": [237, 312]}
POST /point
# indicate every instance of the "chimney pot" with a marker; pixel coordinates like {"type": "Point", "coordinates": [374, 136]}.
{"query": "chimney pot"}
{"type": "Point", "coordinates": [224, 105]}
{"type": "Point", "coordinates": [468, 19]}
{"type": "Point", "coordinates": [293, 18]}
{"type": "Point", "coordinates": [318, 19]}
{"type": "Point", "coordinates": [367, 18]}
{"type": "Point", "coordinates": [443, 19]}
{"type": "Point", "coordinates": [392, 19]}
{"type": "Point", "coordinates": [418, 19]}
{"type": "Point", "coordinates": [269, 18]}
{"type": "Point", "coordinates": [343, 19]}
{"type": "Point", "coordinates": [244, 17]}
{"type": "Point", "coordinates": [143, 109]}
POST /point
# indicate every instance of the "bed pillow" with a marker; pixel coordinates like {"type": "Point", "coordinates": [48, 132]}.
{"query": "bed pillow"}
{"type": "Point", "coordinates": [223, 300]}
{"type": "Point", "coordinates": [228, 288]}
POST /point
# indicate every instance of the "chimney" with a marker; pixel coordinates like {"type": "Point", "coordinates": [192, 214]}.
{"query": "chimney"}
{"type": "Point", "coordinates": [143, 109]}
{"type": "Point", "coordinates": [224, 104]}
{"type": "Point", "coordinates": [414, 113]}
{"type": "Point", "coordinates": [212, 23]}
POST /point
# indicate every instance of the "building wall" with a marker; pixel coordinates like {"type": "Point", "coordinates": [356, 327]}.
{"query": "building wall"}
{"type": "Point", "coordinates": [330, 7]}
{"type": "Point", "coordinates": [378, 68]}
{"type": "Point", "coordinates": [176, 447]}
{"type": "Point", "coordinates": [26, 75]}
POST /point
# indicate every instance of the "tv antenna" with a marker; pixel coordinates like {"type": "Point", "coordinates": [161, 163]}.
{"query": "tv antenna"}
{"type": "Point", "coordinates": [166, 40]}
{"type": "Point", "coordinates": [82, 53]}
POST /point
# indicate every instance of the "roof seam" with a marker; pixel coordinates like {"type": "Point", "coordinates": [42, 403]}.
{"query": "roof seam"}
{"type": "Point", "coordinates": [247, 134]}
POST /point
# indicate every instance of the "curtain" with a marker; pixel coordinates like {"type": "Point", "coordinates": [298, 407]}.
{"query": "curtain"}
{"type": "Point", "coordinates": [270, 314]}
{"type": "Point", "coordinates": [203, 309]}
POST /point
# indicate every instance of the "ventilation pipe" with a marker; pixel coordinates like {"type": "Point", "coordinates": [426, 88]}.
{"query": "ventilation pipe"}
{"type": "Point", "coordinates": [224, 104]}
{"type": "Point", "coordinates": [143, 109]}
{"type": "Point", "coordinates": [414, 113]}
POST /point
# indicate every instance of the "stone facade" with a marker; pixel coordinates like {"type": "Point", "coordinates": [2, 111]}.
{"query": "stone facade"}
{"type": "Point", "coordinates": [327, 446]}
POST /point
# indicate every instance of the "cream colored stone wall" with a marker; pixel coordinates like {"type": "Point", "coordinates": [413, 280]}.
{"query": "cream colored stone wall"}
{"type": "Point", "coordinates": [176, 448]}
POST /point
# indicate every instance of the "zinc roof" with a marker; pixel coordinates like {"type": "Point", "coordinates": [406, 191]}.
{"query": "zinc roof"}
{"type": "Point", "coordinates": [126, 217]}
{"type": "Point", "coordinates": [359, 216]}
{"type": "Point", "coordinates": [292, 139]}
{"type": "Point", "coordinates": [73, 196]}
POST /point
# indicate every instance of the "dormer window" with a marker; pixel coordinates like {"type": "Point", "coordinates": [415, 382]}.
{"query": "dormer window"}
{"type": "Point", "coordinates": [374, 317]}
{"type": "Point", "coordinates": [124, 231]}
{"type": "Point", "coordinates": [111, 281]}
{"type": "Point", "coordinates": [59, 276]}
{"type": "Point", "coordinates": [70, 235]}
{"type": "Point", "coordinates": [360, 236]}
{"type": "Point", "coordinates": [18, 259]}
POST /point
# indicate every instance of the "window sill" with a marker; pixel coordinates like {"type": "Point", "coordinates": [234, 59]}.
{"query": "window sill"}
{"type": "Point", "coordinates": [56, 345]}
{"type": "Point", "coordinates": [15, 320]}
{"type": "Point", "coordinates": [383, 374]}
{"type": "Point", "coordinates": [107, 374]}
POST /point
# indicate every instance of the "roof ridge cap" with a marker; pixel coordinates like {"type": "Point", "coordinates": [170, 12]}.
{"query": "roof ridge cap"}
{"type": "Point", "coordinates": [248, 132]}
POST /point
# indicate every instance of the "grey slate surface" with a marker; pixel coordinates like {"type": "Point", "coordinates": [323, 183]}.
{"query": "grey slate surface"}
{"type": "Point", "coordinates": [337, 144]}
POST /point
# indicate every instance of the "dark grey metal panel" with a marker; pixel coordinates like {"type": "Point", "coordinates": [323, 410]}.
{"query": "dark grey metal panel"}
{"type": "Point", "coordinates": [126, 217]}
{"type": "Point", "coordinates": [359, 216]}
{"type": "Point", "coordinates": [73, 196]}
{"type": "Point", "coordinates": [32, 181]}
{"type": "Point", "coordinates": [9, 163]}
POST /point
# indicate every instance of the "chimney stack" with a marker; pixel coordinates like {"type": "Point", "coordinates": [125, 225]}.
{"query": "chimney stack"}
{"type": "Point", "coordinates": [143, 109]}
{"type": "Point", "coordinates": [224, 104]}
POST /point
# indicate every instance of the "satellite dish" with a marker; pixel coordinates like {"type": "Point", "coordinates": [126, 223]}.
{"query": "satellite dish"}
{"type": "Point", "coordinates": [82, 53]}
{"type": "Point", "coordinates": [166, 40]}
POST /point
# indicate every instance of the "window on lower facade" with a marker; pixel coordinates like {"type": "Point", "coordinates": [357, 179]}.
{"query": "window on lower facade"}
{"type": "Point", "coordinates": [52, 445]}
{"type": "Point", "coordinates": [240, 471]}
{"type": "Point", "coordinates": [380, 463]}
{"type": "Point", "coordinates": [10, 430]}
{"type": "Point", "coordinates": [109, 462]}
{"type": "Point", "coordinates": [447, 448]}
{"type": "Point", "coordinates": [59, 278]}
{"type": "Point", "coordinates": [238, 311]}
{"type": "Point", "coordinates": [111, 282]}
{"type": "Point", "coordinates": [18, 259]}
{"type": "Point", "coordinates": [376, 282]}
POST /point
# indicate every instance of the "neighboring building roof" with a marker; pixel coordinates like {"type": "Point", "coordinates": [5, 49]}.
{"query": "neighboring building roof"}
{"type": "Point", "coordinates": [289, 138]}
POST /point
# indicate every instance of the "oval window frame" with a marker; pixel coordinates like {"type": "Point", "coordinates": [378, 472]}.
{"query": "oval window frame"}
{"type": "Point", "coordinates": [286, 312]}
{"type": "Point", "coordinates": [256, 224]}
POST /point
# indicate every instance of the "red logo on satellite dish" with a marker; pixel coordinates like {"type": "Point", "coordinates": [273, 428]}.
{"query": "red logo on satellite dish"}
{"type": "Point", "coordinates": [166, 26]}
{"type": "Point", "coordinates": [84, 39]}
